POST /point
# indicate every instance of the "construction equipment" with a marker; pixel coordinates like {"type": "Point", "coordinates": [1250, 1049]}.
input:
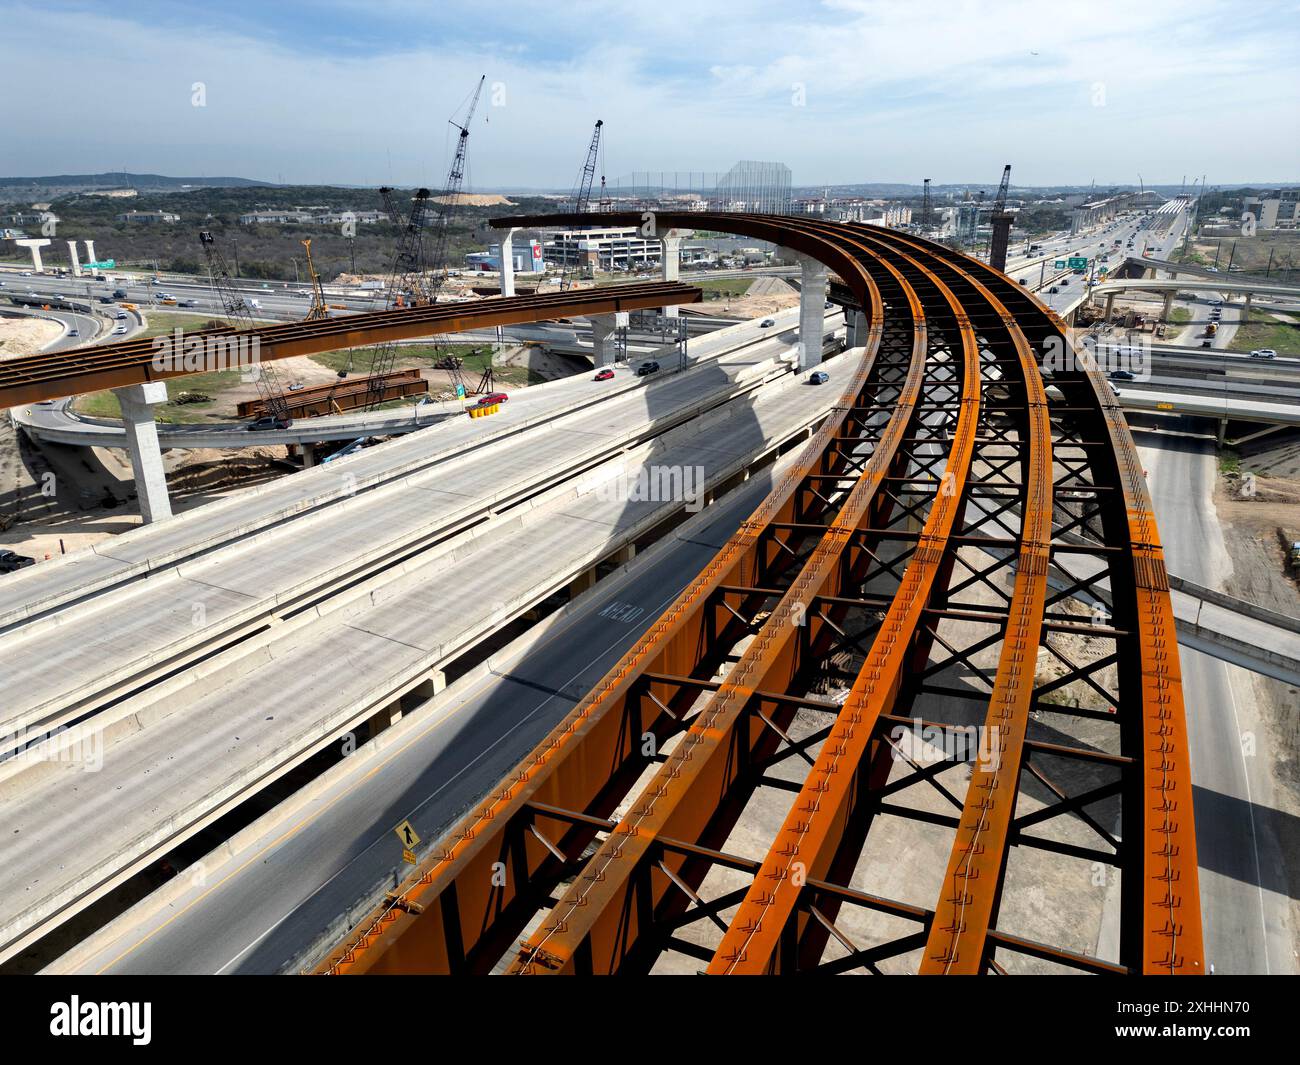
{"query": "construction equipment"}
{"type": "Point", "coordinates": [583, 196]}
{"type": "Point", "coordinates": [237, 307]}
{"type": "Point", "coordinates": [417, 276]}
{"type": "Point", "coordinates": [925, 209]}
{"type": "Point", "coordinates": [318, 308]}
{"type": "Point", "coordinates": [1000, 223]}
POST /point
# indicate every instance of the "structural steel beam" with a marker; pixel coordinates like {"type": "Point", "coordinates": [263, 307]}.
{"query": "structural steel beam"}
{"type": "Point", "coordinates": [54, 375]}
{"type": "Point", "coordinates": [936, 473]}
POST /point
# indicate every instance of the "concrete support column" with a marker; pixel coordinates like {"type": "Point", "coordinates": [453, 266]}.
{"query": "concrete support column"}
{"type": "Point", "coordinates": [72, 254]}
{"type": "Point", "coordinates": [812, 308]}
{"type": "Point", "coordinates": [584, 580]}
{"type": "Point", "coordinates": [508, 262]}
{"type": "Point", "coordinates": [670, 263]}
{"type": "Point", "coordinates": [625, 555]}
{"type": "Point", "coordinates": [856, 323]}
{"type": "Point", "coordinates": [603, 340]}
{"type": "Point", "coordinates": [1245, 308]}
{"type": "Point", "coordinates": [308, 455]}
{"type": "Point", "coordinates": [34, 245]}
{"type": "Point", "coordinates": [1223, 431]}
{"type": "Point", "coordinates": [137, 402]}
{"type": "Point", "coordinates": [90, 251]}
{"type": "Point", "coordinates": [1110, 305]}
{"type": "Point", "coordinates": [1168, 307]}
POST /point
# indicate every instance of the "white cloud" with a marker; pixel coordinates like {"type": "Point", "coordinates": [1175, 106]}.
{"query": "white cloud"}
{"type": "Point", "coordinates": [892, 91]}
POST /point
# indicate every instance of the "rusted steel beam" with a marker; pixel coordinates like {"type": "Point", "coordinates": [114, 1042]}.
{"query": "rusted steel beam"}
{"type": "Point", "coordinates": [479, 886]}
{"type": "Point", "coordinates": [595, 920]}
{"type": "Point", "coordinates": [459, 913]}
{"type": "Point", "coordinates": [810, 836]}
{"type": "Point", "coordinates": [1161, 896]}
{"type": "Point", "coordinates": [54, 375]}
{"type": "Point", "coordinates": [973, 881]}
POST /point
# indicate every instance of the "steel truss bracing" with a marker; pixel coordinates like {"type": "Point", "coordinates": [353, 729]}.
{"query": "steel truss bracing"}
{"type": "Point", "coordinates": [921, 713]}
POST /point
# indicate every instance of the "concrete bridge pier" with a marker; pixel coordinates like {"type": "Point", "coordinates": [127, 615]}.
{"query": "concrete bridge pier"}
{"type": "Point", "coordinates": [670, 263]}
{"type": "Point", "coordinates": [1168, 308]}
{"type": "Point", "coordinates": [72, 254]}
{"type": "Point", "coordinates": [855, 327]}
{"type": "Point", "coordinates": [1245, 309]}
{"type": "Point", "coordinates": [34, 245]}
{"type": "Point", "coordinates": [604, 336]}
{"type": "Point", "coordinates": [508, 262]}
{"type": "Point", "coordinates": [812, 307]}
{"type": "Point", "coordinates": [1110, 305]}
{"type": "Point", "coordinates": [137, 403]}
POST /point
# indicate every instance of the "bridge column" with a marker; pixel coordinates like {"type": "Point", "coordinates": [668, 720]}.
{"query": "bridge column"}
{"type": "Point", "coordinates": [308, 455]}
{"type": "Point", "coordinates": [856, 327]}
{"type": "Point", "coordinates": [1245, 308]}
{"type": "Point", "coordinates": [1168, 308]}
{"type": "Point", "coordinates": [90, 251]}
{"type": "Point", "coordinates": [137, 402]}
{"type": "Point", "coordinates": [670, 263]}
{"type": "Point", "coordinates": [1110, 306]}
{"type": "Point", "coordinates": [604, 328]}
{"type": "Point", "coordinates": [72, 254]}
{"type": "Point", "coordinates": [812, 307]}
{"type": "Point", "coordinates": [508, 262]}
{"type": "Point", "coordinates": [34, 245]}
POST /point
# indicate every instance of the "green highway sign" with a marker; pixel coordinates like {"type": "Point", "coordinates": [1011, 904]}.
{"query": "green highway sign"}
{"type": "Point", "coordinates": [1059, 264]}
{"type": "Point", "coordinates": [107, 264]}
{"type": "Point", "coordinates": [1076, 262]}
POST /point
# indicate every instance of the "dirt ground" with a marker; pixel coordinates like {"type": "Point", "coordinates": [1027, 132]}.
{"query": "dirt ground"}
{"type": "Point", "coordinates": [1253, 530]}
{"type": "Point", "coordinates": [743, 308]}
{"type": "Point", "coordinates": [56, 499]}
{"type": "Point", "coordinates": [23, 335]}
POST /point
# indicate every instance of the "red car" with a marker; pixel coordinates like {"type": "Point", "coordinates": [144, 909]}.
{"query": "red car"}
{"type": "Point", "coordinates": [605, 375]}
{"type": "Point", "coordinates": [493, 398]}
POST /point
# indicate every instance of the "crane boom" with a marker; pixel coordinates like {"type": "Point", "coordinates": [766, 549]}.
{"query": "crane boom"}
{"type": "Point", "coordinates": [1000, 223]}
{"type": "Point", "coordinates": [418, 272]}
{"type": "Point", "coordinates": [583, 197]}
{"type": "Point", "coordinates": [237, 307]}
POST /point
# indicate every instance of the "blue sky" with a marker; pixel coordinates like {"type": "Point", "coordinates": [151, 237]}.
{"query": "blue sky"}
{"type": "Point", "coordinates": [359, 91]}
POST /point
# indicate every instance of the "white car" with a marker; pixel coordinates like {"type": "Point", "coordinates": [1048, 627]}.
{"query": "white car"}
{"type": "Point", "coordinates": [1263, 353]}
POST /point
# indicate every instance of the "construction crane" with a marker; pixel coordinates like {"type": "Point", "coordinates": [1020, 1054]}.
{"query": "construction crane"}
{"type": "Point", "coordinates": [318, 308]}
{"type": "Point", "coordinates": [237, 307]}
{"type": "Point", "coordinates": [419, 273]}
{"type": "Point", "coordinates": [1000, 223]}
{"type": "Point", "coordinates": [583, 197]}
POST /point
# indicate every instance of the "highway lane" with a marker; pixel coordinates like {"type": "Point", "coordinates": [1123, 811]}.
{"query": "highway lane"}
{"type": "Point", "coordinates": [298, 876]}
{"type": "Point", "coordinates": [1243, 882]}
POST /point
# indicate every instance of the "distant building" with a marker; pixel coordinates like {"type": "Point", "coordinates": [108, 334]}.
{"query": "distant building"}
{"type": "Point", "coordinates": [297, 216]}
{"type": "Point", "coordinates": [30, 218]}
{"type": "Point", "coordinates": [615, 248]}
{"type": "Point", "coordinates": [148, 217]}
{"type": "Point", "coordinates": [1276, 210]}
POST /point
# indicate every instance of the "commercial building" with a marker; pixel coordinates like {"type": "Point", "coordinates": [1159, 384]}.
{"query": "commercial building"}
{"type": "Point", "coordinates": [615, 248]}
{"type": "Point", "coordinates": [1276, 210]}
{"type": "Point", "coordinates": [148, 217]}
{"type": "Point", "coordinates": [527, 258]}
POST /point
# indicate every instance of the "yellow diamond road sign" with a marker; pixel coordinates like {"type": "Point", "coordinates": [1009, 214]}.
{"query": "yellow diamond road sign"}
{"type": "Point", "coordinates": [407, 835]}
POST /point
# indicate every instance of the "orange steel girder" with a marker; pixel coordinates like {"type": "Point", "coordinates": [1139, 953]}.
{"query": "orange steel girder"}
{"type": "Point", "coordinates": [454, 896]}
{"type": "Point", "coordinates": [54, 375]}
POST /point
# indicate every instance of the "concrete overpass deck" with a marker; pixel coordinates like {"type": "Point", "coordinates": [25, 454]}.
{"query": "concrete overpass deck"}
{"type": "Point", "coordinates": [190, 746]}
